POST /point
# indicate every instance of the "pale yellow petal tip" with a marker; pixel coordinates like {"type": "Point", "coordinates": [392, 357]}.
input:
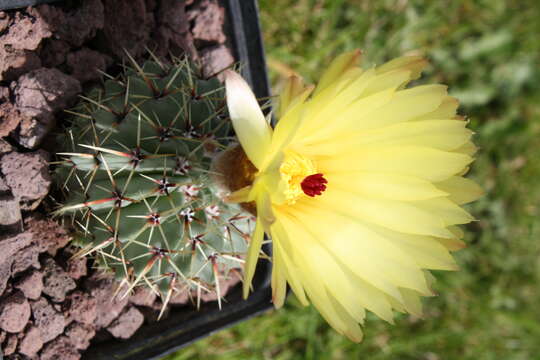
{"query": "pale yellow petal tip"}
{"type": "Point", "coordinates": [453, 244]}
{"type": "Point", "coordinates": [416, 64]}
{"type": "Point", "coordinates": [231, 77]}
{"type": "Point", "coordinates": [250, 125]}
{"type": "Point", "coordinates": [355, 56]}
{"type": "Point", "coordinates": [355, 336]}
{"type": "Point", "coordinates": [348, 59]}
{"type": "Point", "coordinates": [278, 301]}
{"type": "Point", "coordinates": [293, 88]}
{"type": "Point", "coordinates": [245, 290]}
{"type": "Point", "coordinates": [239, 196]}
{"type": "Point", "coordinates": [338, 67]}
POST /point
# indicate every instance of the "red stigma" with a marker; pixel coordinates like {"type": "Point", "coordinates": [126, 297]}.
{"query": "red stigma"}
{"type": "Point", "coordinates": [314, 185]}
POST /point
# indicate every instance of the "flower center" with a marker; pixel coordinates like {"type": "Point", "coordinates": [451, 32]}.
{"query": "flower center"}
{"type": "Point", "coordinates": [299, 175]}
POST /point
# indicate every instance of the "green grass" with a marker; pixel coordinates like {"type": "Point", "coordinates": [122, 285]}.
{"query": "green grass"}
{"type": "Point", "coordinates": [488, 53]}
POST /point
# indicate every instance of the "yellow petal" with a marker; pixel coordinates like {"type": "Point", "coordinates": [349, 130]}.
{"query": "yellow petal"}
{"type": "Point", "coordinates": [250, 125]}
{"type": "Point", "coordinates": [381, 109]}
{"type": "Point", "coordinates": [384, 185]}
{"type": "Point", "coordinates": [389, 80]}
{"type": "Point", "coordinates": [364, 252]}
{"type": "Point", "coordinates": [407, 105]}
{"type": "Point", "coordinates": [426, 251]}
{"type": "Point", "coordinates": [287, 127]}
{"type": "Point", "coordinates": [395, 215]}
{"type": "Point", "coordinates": [452, 244]}
{"type": "Point", "coordinates": [252, 257]}
{"type": "Point", "coordinates": [425, 163]}
{"type": "Point", "coordinates": [326, 285]}
{"type": "Point", "coordinates": [326, 231]}
{"type": "Point", "coordinates": [240, 195]}
{"type": "Point", "coordinates": [278, 282]}
{"type": "Point", "coordinates": [446, 210]}
{"type": "Point", "coordinates": [411, 301]}
{"type": "Point", "coordinates": [337, 68]}
{"type": "Point", "coordinates": [438, 134]}
{"type": "Point", "coordinates": [413, 63]}
{"type": "Point", "coordinates": [446, 110]}
{"type": "Point", "coordinates": [461, 190]}
{"type": "Point", "coordinates": [468, 149]}
{"type": "Point", "coordinates": [294, 87]}
{"type": "Point", "coordinates": [280, 242]}
{"type": "Point", "coordinates": [343, 120]}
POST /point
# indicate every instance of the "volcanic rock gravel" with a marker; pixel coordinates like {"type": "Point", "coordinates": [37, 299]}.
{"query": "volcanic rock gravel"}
{"type": "Point", "coordinates": [53, 304]}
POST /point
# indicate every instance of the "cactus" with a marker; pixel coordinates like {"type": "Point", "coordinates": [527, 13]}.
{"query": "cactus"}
{"type": "Point", "coordinates": [139, 182]}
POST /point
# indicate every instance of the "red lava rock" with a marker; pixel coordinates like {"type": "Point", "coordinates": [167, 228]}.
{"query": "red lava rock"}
{"type": "Point", "coordinates": [60, 349]}
{"type": "Point", "coordinates": [151, 314]}
{"type": "Point", "coordinates": [127, 26]}
{"type": "Point", "coordinates": [56, 282]}
{"type": "Point", "coordinates": [82, 308]}
{"type": "Point", "coordinates": [25, 259]}
{"type": "Point", "coordinates": [5, 147]}
{"type": "Point", "coordinates": [26, 31]}
{"type": "Point", "coordinates": [14, 63]}
{"type": "Point", "coordinates": [10, 211]}
{"type": "Point", "coordinates": [38, 94]}
{"type": "Point", "coordinates": [14, 313]}
{"type": "Point", "coordinates": [4, 93]}
{"type": "Point", "coordinates": [17, 45]}
{"type": "Point", "coordinates": [31, 343]}
{"type": "Point", "coordinates": [44, 90]}
{"type": "Point", "coordinates": [126, 325]}
{"type": "Point", "coordinates": [5, 21]}
{"type": "Point", "coordinates": [103, 288]}
{"type": "Point", "coordinates": [27, 174]}
{"type": "Point", "coordinates": [80, 335]}
{"type": "Point", "coordinates": [76, 267]}
{"type": "Point", "coordinates": [76, 26]}
{"type": "Point", "coordinates": [53, 52]}
{"type": "Point", "coordinates": [4, 188]}
{"type": "Point", "coordinates": [10, 118]}
{"type": "Point", "coordinates": [10, 345]}
{"type": "Point", "coordinates": [49, 322]}
{"type": "Point", "coordinates": [8, 122]}
{"type": "Point", "coordinates": [180, 297]}
{"type": "Point", "coordinates": [8, 248]}
{"type": "Point", "coordinates": [31, 285]}
{"type": "Point", "coordinates": [47, 234]}
{"type": "Point", "coordinates": [172, 34]}
{"type": "Point", "coordinates": [143, 296]}
{"type": "Point", "coordinates": [208, 18]}
{"type": "Point", "coordinates": [32, 131]}
{"type": "Point", "coordinates": [215, 59]}
{"type": "Point", "coordinates": [85, 63]}
{"type": "Point", "coordinates": [224, 285]}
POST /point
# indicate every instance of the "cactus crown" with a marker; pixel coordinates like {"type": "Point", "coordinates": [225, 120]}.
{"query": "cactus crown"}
{"type": "Point", "coordinates": [139, 184]}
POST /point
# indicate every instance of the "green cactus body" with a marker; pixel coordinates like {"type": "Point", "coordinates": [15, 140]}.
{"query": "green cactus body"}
{"type": "Point", "coordinates": [139, 185]}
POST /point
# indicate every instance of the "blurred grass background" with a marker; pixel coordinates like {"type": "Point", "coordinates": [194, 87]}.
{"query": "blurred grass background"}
{"type": "Point", "coordinates": [488, 51]}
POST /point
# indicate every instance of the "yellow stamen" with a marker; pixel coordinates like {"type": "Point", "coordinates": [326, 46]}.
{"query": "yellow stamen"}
{"type": "Point", "coordinates": [294, 169]}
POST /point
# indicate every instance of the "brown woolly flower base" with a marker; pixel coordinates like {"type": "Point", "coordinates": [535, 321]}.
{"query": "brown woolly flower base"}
{"type": "Point", "coordinates": [231, 171]}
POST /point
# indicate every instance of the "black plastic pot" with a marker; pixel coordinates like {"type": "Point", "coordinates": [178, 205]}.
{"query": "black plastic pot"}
{"type": "Point", "coordinates": [185, 325]}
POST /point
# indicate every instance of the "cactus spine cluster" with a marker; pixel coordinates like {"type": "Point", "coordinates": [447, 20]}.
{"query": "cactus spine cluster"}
{"type": "Point", "coordinates": [139, 183]}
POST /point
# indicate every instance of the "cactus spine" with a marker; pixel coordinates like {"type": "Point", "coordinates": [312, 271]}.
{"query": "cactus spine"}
{"type": "Point", "coordinates": [138, 179]}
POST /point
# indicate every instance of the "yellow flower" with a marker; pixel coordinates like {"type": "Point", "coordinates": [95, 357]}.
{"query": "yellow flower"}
{"type": "Point", "coordinates": [359, 187]}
